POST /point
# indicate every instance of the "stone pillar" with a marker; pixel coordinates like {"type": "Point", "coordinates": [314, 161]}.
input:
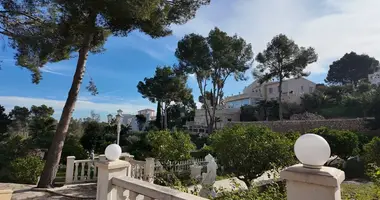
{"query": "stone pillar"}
{"type": "Point", "coordinates": [312, 184]}
{"type": "Point", "coordinates": [106, 171]}
{"type": "Point", "coordinates": [149, 170]}
{"type": "Point", "coordinates": [69, 169]}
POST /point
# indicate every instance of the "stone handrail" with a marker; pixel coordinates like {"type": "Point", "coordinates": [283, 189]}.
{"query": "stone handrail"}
{"type": "Point", "coordinates": [148, 190]}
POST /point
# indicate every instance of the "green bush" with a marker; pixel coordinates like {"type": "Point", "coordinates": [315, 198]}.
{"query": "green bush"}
{"type": "Point", "coordinates": [372, 151]}
{"type": "Point", "coordinates": [247, 113]}
{"type": "Point", "coordinates": [26, 169]}
{"type": "Point", "coordinates": [202, 153]}
{"type": "Point", "coordinates": [373, 173]}
{"type": "Point", "coordinates": [360, 192]}
{"type": "Point", "coordinates": [73, 147]}
{"type": "Point", "coordinates": [354, 167]}
{"type": "Point", "coordinates": [342, 143]}
{"type": "Point", "coordinates": [274, 191]}
{"type": "Point", "coordinates": [249, 151]}
{"type": "Point", "coordinates": [172, 146]}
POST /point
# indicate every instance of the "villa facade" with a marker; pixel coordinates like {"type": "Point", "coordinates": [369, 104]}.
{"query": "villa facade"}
{"type": "Point", "coordinates": [374, 78]}
{"type": "Point", "coordinates": [292, 90]}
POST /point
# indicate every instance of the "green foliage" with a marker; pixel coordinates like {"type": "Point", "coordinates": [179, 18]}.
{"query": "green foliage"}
{"type": "Point", "coordinates": [26, 169]}
{"type": "Point", "coordinates": [354, 167]}
{"type": "Point", "coordinates": [181, 112]}
{"type": "Point", "coordinates": [351, 68]}
{"type": "Point", "coordinates": [141, 120]}
{"type": "Point", "coordinates": [274, 191]}
{"type": "Point", "coordinates": [247, 113]}
{"type": "Point", "coordinates": [373, 172]}
{"type": "Point", "coordinates": [20, 117]}
{"type": "Point", "coordinates": [166, 86]}
{"type": "Point", "coordinates": [282, 59]}
{"type": "Point", "coordinates": [4, 123]}
{"type": "Point", "coordinates": [199, 141]}
{"type": "Point", "coordinates": [249, 151]}
{"type": "Point", "coordinates": [73, 147]}
{"type": "Point", "coordinates": [360, 191]}
{"type": "Point", "coordinates": [372, 151]}
{"type": "Point", "coordinates": [213, 59]}
{"type": "Point", "coordinates": [202, 153]}
{"type": "Point", "coordinates": [137, 144]}
{"type": "Point", "coordinates": [92, 137]}
{"type": "Point", "coordinates": [267, 110]}
{"type": "Point", "coordinates": [42, 126]}
{"type": "Point", "coordinates": [170, 146]}
{"type": "Point", "coordinates": [342, 143]}
{"type": "Point", "coordinates": [157, 122]}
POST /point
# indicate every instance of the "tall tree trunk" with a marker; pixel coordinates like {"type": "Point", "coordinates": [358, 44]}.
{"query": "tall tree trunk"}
{"type": "Point", "coordinates": [279, 99]}
{"type": "Point", "coordinates": [158, 116]}
{"type": "Point", "coordinates": [166, 116]}
{"type": "Point", "coordinates": [55, 150]}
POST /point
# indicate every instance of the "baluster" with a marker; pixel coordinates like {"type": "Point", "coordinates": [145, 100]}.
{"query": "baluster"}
{"type": "Point", "coordinates": [76, 173]}
{"type": "Point", "coordinates": [132, 195]}
{"type": "Point", "coordinates": [120, 193]}
{"type": "Point", "coordinates": [82, 171]}
{"type": "Point", "coordinates": [89, 171]}
{"type": "Point", "coordinates": [95, 173]}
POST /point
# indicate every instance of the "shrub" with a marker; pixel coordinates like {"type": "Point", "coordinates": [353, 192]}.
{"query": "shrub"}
{"type": "Point", "coordinates": [274, 191]}
{"type": "Point", "coordinates": [360, 191]}
{"type": "Point", "coordinates": [202, 153]}
{"type": "Point", "coordinates": [168, 145]}
{"type": "Point", "coordinates": [342, 143]}
{"type": "Point", "coordinates": [354, 167]}
{"type": "Point", "coordinates": [247, 113]}
{"type": "Point", "coordinates": [26, 169]}
{"type": "Point", "coordinates": [372, 151]}
{"type": "Point", "coordinates": [73, 147]}
{"type": "Point", "coordinates": [249, 151]}
{"type": "Point", "coordinates": [373, 173]}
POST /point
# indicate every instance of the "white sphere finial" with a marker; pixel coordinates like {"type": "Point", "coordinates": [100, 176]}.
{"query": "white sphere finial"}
{"type": "Point", "coordinates": [113, 152]}
{"type": "Point", "coordinates": [312, 150]}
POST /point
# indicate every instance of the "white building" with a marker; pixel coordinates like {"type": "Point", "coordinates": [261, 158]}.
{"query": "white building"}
{"type": "Point", "coordinates": [374, 78]}
{"type": "Point", "coordinates": [148, 113]}
{"type": "Point", "coordinates": [292, 90]}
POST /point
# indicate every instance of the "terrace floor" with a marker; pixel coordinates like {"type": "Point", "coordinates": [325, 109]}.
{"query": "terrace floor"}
{"type": "Point", "coordinates": [81, 191]}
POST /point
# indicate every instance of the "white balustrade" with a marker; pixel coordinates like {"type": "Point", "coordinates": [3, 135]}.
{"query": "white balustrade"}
{"type": "Point", "coordinates": [130, 188]}
{"type": "Point", "coordinates": [81, 171]}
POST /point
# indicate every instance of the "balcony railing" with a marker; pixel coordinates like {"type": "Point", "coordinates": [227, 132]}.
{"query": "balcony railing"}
{"type": "Point", "coordinates": [130, 188]}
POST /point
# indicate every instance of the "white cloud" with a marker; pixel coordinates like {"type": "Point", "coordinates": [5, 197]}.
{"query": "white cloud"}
{"type": "Point", "coordinates": [57, 70]}
{"type": "Point", "coordinates": [332, 27]}
{"type": "Point", "coordinates": [82, 105]}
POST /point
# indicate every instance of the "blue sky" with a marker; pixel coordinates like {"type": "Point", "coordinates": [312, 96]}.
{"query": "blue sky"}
{"type": "Point", "coordinates": [333, 27]}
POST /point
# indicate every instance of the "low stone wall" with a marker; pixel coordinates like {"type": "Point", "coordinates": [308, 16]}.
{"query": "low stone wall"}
{"type": "Point", "coordinates": [303, 126]}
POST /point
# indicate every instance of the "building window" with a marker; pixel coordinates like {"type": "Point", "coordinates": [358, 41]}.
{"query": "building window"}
{"type": "Point", "coordinates": [270, 90]}
{"type": "Point", "coordinates": [310, 89]}
{"type": "Point", "coordinates": [229, 119]}
{"type": "Point", "coordinates": [302, 88]}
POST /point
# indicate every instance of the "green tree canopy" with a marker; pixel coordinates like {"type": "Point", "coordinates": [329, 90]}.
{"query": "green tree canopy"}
{"type": "Point", "coordinates": [170, 146]}
{"type": "Point", "coordinates": [4, 123]}
{"type": "Point", "coordinates": [20, 117]}
{"type": "Point", "coordinates": [283, 59]}
{"type": "Point", "coordinates": [50, 31]}
{"type": "Point", "coordinates": [213, 59]}
{"type": "Point", "coordinates": [351, 68]}
{"type": "Point", "coordinates": [249, 151]}
{"type": "Point", "coordinates": [166, 86]}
